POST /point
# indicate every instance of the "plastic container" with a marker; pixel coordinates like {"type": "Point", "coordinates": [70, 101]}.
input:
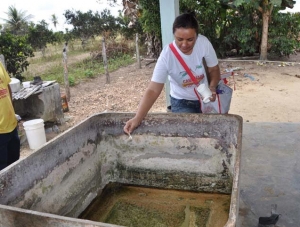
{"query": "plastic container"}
{"type": "Point", "coordinates": [15, 85]}
{"type": "Point", "coordinates": [205, 92]}
{"type": "Point", "coordinates": [35, 133]}
{"type": "Point", "coordinates": [26, 84]}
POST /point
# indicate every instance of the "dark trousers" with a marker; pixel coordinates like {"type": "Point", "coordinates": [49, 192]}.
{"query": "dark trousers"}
{"type": "Point", "coordinates": [9, 148]}
{"type": "Point", "coordinates": [185, 106]}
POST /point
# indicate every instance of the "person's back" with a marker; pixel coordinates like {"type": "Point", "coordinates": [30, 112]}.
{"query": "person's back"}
{"type": "Point", "coordinates": [9, 139]}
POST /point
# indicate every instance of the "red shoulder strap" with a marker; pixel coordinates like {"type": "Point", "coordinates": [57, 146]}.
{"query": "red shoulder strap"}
{"type": "Point", "coordinates": [182, 62]}
{"type": "Point", "coordinates": [187, 69]}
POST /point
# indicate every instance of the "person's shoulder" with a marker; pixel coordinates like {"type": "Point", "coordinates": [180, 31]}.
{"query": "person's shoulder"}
{"type": "Point", "coordinates": [167, 47]}
{"type": "Point", "coordinates": [202, 41]}
{"type": "Point", "coordinates": [166, 50]}
{"type": "Point", "coordinates": [202, 38]}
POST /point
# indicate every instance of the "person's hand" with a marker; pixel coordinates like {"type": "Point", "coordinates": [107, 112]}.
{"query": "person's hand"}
{"type": "Point", "coordinates": [214, 94]}
{"type": "Point", "coordinates": [131, 125]}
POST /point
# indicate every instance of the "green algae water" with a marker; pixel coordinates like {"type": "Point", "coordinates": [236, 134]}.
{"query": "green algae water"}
{"type": "Point", "coordinates": [150, 207]}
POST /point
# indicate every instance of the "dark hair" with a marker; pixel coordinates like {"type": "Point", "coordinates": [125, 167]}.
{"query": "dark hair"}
{"type": "Point", "coordinates": [186, 20]}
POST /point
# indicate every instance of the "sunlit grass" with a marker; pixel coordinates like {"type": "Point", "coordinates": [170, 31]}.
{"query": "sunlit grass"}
{"type": "Point", "coordinates": [87, 68]}
{"type": "Point", "coordinates": [54, 56]}
{"type": "Point", "coordinates": [51, 66]}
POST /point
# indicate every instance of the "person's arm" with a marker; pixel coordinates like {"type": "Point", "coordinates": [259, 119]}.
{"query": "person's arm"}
{"type": "Point", "coordinates": [151, 94]}
{"type": "Point", "coordinates": [214, 78]}
{"type": "Point", "coordinates": [210, 61]}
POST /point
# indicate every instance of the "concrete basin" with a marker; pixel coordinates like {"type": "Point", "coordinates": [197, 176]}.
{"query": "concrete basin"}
{"type": "Point", "coordinates": [54, 185]}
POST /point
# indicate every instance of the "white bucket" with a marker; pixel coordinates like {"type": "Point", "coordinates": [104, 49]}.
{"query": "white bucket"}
{"type": "Point", "coordinates": [35, 133]}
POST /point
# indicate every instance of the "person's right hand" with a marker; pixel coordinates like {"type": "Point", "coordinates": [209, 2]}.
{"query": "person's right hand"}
{"type": "Point", "coordinates": [131, 125]}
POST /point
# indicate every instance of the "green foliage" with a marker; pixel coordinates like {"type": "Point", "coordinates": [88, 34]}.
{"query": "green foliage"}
{"type": "Point", "coordinates": [238, 26]}
{"type": "Point", "coordinates": [89, 68]}
{"type": "Point", "coordinates": [265, 9]}
{"type": "Point", "coordinates": [229, 24]}
{"type": "Point", "coordinates": [39, 35]}
{"type": "Point", "coordinates": [88, 25]}
{"type": "Point", "coordinates": [284, 31]}
{"type": "Point", "coordinates": [243, 32]}
{"type": "Point", "coordinates": [16, 50]}
{"type": "Point", "coordinates": [89, 73]}
{"type": "Point", "coordinates": [17, 22]}
{"type": "Point", "coordinates": [212, 19]}
{"type": "Point", "coordinates": [60, 37]}
{"type": "Point", "coordinates": [128, 33]}
{"type": "Point", "coordinates": [150, 17]}
{"type": "Point", "coordinates": [287, 4]}
{"type": "Point", "coordinates": [54, 20]}
{"type": "Point", "coordinates": [68, 36]}
{"type": "Point", "coordinates": [279, 3]}
{"type": "Point", "coordinates": [84, 24]}
{"type": "Point", "coordinates": [108, 24]}
{"type": "Point", "coordinates": [71, 81]}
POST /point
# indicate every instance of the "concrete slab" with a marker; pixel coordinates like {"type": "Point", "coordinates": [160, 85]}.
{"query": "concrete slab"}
{"type": "Point", "coordinates": [45, 105]}
{"type": "Point", "coordinates": [270, 173]}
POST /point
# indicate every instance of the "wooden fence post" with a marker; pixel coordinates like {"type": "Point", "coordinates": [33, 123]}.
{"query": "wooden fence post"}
{"type": "Point", "coordinates": [66, 78]}
{"type": "Point", "coordinates": [105, 61]}
{"type": "Point", "coordinates": [137, 50]}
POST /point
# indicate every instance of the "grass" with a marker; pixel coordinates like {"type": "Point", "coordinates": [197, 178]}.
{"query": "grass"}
{"type": "Point", "coordinates": [51, 67]}
{"type": "Point", "coordinates": [52, 55]}
{"type": "Point", "coordinates": [87, 68]}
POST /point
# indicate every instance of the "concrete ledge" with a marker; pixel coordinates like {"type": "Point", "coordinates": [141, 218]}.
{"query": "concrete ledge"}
{"type": "Point", "coordinates": [16, 217]}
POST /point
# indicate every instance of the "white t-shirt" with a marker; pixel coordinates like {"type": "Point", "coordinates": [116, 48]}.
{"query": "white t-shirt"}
{"type": "Point", "coordinates": [181, 85]}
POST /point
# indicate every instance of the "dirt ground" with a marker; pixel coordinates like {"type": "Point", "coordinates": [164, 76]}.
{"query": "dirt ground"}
{"type": "Point", "coordinates": [263, 92]}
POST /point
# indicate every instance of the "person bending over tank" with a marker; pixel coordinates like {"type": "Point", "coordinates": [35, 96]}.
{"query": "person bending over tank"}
{"type": "Point", "coordinates": [192, 47]}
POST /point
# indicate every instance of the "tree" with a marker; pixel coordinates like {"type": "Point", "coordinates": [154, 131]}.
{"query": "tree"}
{"type": "Point", "coordinates": [60, 37]}
{"type": "Point", "coordinates": [265, 7]}
{"type": "Point", "coordinates": [283, 36]}
{"type": "Point", "coordinates": [125, 30]}
{"type": "Point", "coordinates": [242, 25]}
{"type": "Point", "coordinates": [39, 35]}
{"type": "Point", "coordinates": [88, 25]}
{"type": "Point", "coordinates": [54, 20]}
{"type": "Point", "coordinates": [17, 22]}
{"type": "Point", "coordinates": [85, 25]}
{"type": "Point", "coordinates": [215, 22]}
{"type": "Point", "coordinates": [16, 50]}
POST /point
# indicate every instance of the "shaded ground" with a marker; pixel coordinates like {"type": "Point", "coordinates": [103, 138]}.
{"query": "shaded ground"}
{"type": "Point", "coordinates": [263, 93]}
